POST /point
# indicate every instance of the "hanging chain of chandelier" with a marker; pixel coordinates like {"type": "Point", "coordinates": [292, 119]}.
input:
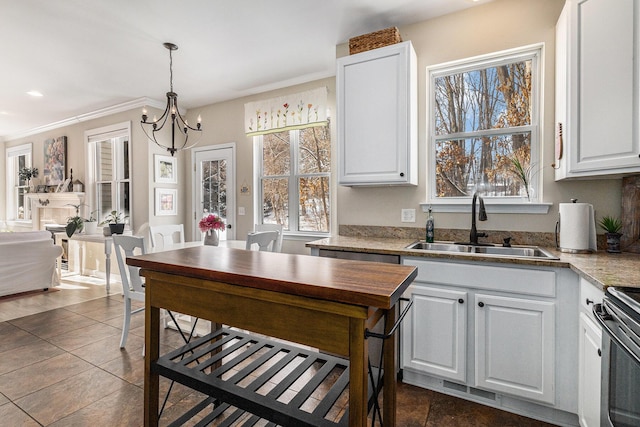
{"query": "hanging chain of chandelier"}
{"type": "Point", "coordinates": [172, 116]}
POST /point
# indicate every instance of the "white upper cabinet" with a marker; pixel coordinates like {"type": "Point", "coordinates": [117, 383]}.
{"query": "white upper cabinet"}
{"type": "Point", "coordinates": [377, 117]}
{"type": "Point", "coordinates": [597, 89]}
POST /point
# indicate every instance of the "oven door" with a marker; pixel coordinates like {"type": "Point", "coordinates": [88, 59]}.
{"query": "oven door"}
{"type": "Point", "coordinates": [620, 404]}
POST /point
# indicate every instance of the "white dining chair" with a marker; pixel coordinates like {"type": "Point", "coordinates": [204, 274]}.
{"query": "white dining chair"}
{"type": "Point", "coordinates": [166, 235]}
{"type": "Point", "coordinates": [272, 227]}
{"type": "Point", "coordinates": [132, 283]}
{"type": "Point", "coordinates": [266, 240]}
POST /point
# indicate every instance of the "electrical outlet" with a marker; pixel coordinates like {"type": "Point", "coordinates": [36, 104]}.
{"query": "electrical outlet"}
{"type": "Point", "coordinates": [408, 215]}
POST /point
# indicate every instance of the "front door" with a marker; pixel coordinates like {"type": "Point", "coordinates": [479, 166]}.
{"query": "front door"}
{"type": "Point", "coordinates": [214, 186]}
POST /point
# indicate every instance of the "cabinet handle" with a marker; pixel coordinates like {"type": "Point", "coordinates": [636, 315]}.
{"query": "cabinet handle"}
{"type": "Point", "coordinates": [460, 300]}
{"type": "Point", "coordinates": [599, 353]}
{"type": "Point", "coordinates": [588, 301]}
{"type": "Point", "coordinates": [480, 304]}
{"type": "Point", "coordinates": [401, 173]}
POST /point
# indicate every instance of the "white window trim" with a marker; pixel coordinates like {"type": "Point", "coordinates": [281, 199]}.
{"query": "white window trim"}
{"type": "Point", "coordinates": [19, 150]}
{"type": "Point", "coordinates": [105, 132]}
{"type": "Point", "coordinates": [503, 204]}
{"type": "Point", "coordinates": [291, 234]}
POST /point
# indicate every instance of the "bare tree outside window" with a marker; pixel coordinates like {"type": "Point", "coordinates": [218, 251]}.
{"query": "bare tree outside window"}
{"type": "Point", "coordinates": [296, 168]}
{"type": "Point", "coordinates": [483, 125]}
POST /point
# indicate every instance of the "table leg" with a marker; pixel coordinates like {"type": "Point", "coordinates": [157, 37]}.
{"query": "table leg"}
{"type": "Point", "coordinates": [107, 266]}
{"type": "Point", "coordinates": [358, 379]}
{"type": "Point", "coordinates": [389, 381]}
{"type": "Point", "coordinates": [152, 353]}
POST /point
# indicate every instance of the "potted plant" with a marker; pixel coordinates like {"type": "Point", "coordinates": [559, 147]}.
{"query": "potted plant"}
{"type": "Point", "coordinates": [115, 220]}
{"type": "Point", "coordinates": [74, 223]}
{"type": "Point", "coordinates": [612, 227]}
{"type": "Point", "coordinates": [91, 224]}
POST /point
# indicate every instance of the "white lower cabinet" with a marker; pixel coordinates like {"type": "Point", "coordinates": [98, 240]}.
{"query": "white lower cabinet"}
{"type": "Point", "coordinates": [589, 357]}
{"type": "Point", "coordinates": [499, 335]}
{"type": "Point", "coordinates": [515, 340]}
{"type": "Point", "coordinates": [442, 350]}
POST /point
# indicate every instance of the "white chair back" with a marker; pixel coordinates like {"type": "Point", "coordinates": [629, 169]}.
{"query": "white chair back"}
{"type": "Point", "coordinates": [271, 227]}
{"type": "Point", "coordinates": [165, 235]}
{"type": "Point", "coordinates": [132, 283]}
{"type": "Point", "coordinates": [266, 240]}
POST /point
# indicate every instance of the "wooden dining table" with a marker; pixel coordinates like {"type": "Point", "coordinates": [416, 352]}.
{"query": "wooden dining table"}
{"type": "Point", "coordinates": [324, 303]}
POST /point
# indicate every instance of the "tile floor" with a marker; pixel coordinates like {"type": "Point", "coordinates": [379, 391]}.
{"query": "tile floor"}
{"type": "Point", "coordinates": [61, 365]}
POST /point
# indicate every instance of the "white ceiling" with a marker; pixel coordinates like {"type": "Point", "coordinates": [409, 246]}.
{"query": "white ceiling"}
{"type": "Point", "coordinates": [86, 55]}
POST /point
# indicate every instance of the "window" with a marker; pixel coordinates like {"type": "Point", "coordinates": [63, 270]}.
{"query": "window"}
{"type": "Point", "coordinates": [17, 158]}
{"type": "Point", "coordinates": [109, 170]}
{"type": "Point", "coordinates": [484, 127]}
{"type": "Point", "coordinates": [294, 172]}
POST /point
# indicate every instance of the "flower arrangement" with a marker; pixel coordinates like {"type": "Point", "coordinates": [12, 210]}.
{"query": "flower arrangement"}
{"type": "Point", "coordinates": [28, 173]}
{"type": "Point", "coordinates": [211, 222]}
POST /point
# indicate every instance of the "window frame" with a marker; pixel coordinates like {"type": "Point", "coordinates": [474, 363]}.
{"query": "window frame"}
{"type": "Point", "coordinates": [505, 204]}
{"type": "Point", "coordinates": [101, 134]}
{"type": "Point", "coordinates": [293, 178]}
{"type": "Point", "coordinates": [12, 182]}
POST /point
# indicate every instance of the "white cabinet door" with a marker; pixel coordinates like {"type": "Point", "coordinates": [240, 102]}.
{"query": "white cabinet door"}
{"type": "Point", "coordinates": [597, 87]}
{"type": "Point", "coordinates": [434, 337]}
{"type": "Point", "coordinates": [377, 116]}
{"type": "Point", "coordinates": [515, 346]}
{"type": "Point", "coordinates": [590, 342]}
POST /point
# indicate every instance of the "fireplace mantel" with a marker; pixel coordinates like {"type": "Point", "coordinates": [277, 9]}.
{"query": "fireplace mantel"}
{"type": "Point", "coordinates": [40, 201]}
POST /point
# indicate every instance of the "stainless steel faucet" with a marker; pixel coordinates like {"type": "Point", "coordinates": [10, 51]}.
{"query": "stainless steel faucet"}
{"type": "Point", "coordinates": [482, 216]}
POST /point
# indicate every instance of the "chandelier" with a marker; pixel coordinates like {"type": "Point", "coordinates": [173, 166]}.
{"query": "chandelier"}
{"type": "Point", "coordinates": [172, 115]}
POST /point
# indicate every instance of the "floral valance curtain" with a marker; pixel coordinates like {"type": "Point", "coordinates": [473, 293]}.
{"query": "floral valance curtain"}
{"type": "Point", "coordinates": [295, 111]}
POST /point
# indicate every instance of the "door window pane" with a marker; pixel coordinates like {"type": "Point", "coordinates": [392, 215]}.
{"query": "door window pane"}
{"type": "Point", "coordinates": [214, 187]}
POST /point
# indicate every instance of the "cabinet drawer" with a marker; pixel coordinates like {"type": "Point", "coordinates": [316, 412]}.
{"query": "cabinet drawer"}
{"type": "Point", "coordinates": [589, 294]}
{"type": "Point", "coordinates": [526, 281]}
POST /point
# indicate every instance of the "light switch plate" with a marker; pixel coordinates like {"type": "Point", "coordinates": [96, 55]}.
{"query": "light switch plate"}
{"type": "Point", "coordinates": [408, 215]}
{"type": "Point", "coordinates": [241, 210]}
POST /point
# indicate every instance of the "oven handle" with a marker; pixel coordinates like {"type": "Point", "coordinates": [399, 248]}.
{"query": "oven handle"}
{"type": "Point", "coordinates": [602, 317]}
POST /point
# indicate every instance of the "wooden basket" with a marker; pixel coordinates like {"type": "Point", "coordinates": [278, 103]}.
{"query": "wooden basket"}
{"type": "Point", "coordinates": [374, 40]}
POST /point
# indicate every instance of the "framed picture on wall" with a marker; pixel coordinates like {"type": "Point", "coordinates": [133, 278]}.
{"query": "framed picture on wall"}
{"type": "Point", "coordinates": [55, 158]}
{"type": "Point", "coordinates": [165, 169]}
{"type": "Point", "coordinates": [166, 201]}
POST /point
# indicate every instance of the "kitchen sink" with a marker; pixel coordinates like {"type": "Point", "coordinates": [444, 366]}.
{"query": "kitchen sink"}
{"type": "Point", "coordinates": [534, 252]}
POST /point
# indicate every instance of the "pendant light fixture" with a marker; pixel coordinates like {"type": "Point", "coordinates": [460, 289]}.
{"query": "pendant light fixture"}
{"type": "Point", "coordinates": [172, 115]}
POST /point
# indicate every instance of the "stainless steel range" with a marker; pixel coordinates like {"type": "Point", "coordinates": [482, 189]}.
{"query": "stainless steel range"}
{"type": "Point", "coordinates": [619, 316]}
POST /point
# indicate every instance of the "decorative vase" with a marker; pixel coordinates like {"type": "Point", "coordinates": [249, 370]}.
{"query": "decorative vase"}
{"type": "Point", "coordinates": [211, 238]}
{"type": "Point", "coordinates": [613, 242]}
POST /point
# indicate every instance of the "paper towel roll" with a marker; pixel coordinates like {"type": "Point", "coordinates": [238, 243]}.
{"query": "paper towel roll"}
{"type": "Point", "coordinates": [577, 227]}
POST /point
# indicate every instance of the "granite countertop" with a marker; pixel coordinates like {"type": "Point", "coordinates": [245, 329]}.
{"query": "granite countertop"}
{"type": "Point", "coordinates": [600, 268]}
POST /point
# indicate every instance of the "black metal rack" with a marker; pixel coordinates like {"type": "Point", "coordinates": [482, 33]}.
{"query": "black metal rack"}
{"type": "Point", "coordinates": [249, 378]}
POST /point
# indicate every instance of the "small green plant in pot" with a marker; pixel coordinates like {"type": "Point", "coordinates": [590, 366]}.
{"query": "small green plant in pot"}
{"type": "Point", "coordinates": [612, 227]}
{"type": "Point", "coordinates": [74, 223]}
{"type": "Point", "coordinates": [91, 223]}
{"type": "Point", "coordinates": [115, 220]}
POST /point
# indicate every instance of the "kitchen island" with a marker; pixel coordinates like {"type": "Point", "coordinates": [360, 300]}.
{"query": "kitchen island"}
{"type": "Point", "coordinates": [324, 303]}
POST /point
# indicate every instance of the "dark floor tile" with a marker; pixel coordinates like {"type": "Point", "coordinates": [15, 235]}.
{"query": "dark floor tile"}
{"type": "Point", "coordinates": [22, 382]}
{"type": "Point", "coordinates": [11, 415]}
{"type": "Point", "coordinates": [122, 408]}
{"type": "Point", "coordinates": [107, 349]}
{"type": "Point", "coordinates": [26, 355]}
{"type": "Point", "coordinates": [50, 327]}
{"type": "Point", "coordinates": [84, 336]}
{"type": "Point", "coordinates": [12, 337]}
{"type": "Point", "coordinates": [69, 395]}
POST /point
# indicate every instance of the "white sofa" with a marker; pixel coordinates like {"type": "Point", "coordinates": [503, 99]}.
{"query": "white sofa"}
{"type": "Point", "coordinates": [27, 261]}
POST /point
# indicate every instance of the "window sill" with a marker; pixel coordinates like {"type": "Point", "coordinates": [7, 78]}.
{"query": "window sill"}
{"type": "Point", "coordinates": [491, 206]}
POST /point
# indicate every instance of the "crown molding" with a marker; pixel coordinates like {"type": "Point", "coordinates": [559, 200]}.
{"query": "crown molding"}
{"type": "Point", "coordinates": [103, 112]}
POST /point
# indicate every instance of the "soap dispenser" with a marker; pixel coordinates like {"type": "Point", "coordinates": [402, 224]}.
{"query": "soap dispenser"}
{"type": "Point", "coordinates": [430, 227]}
